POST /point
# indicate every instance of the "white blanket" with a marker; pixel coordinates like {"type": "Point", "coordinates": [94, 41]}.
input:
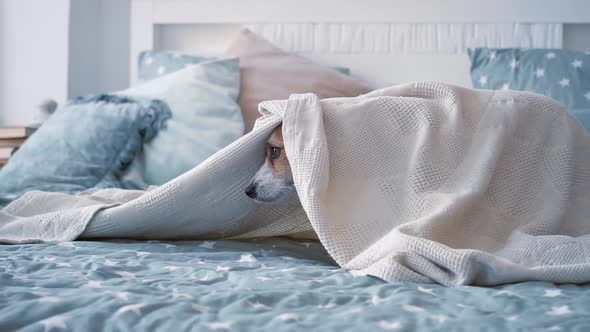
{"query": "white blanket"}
{"type": "Point", "coordinates": [422, 182]}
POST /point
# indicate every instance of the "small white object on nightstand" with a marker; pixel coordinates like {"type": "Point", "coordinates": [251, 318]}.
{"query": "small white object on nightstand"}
{"type": "Point", "coordinates": [46, 108]}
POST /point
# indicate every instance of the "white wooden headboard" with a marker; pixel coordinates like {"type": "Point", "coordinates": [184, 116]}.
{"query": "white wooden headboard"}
{"type": "Point", "coordinates": [382, 41]}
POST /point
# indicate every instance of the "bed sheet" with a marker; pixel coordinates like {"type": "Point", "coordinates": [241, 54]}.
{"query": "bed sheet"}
{"type": "Point", "coordinates": [256, 285]}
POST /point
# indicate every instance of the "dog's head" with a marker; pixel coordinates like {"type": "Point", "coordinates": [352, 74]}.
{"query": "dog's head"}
{"type": "Point", "coordinates": [273, 183]}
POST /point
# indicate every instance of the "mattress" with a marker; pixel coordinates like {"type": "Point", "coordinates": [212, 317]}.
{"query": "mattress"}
{"type": "Point", "coordinates": [257, 285]}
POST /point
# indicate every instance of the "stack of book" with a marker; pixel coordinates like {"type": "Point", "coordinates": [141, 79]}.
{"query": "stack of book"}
{"type": "Point", "coordinates": [11, 138]}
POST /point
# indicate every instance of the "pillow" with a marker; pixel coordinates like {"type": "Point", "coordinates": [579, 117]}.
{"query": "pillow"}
{"type": "Point", "coordinates": [560, 74]}
{"type": "Point", "coordinates": [88, 143]}
{"type": "Point", "coordinates": [153, 64]}
{"type": "Point", "coordinates": [583, 116]}
{"type": "Point", "coordinates": [205, 117]}
{"type": "Point", "coordinates": [269, 73]}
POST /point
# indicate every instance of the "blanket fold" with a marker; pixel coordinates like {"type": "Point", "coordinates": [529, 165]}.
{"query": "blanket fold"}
{"type": "Point", "coordinates": [422, 182]}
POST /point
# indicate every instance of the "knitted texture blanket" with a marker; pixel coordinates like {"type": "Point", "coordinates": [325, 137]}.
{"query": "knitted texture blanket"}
{"type": "Point", "coordinates": [422, 182]}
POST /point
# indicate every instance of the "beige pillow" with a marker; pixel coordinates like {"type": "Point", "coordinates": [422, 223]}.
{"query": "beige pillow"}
{"type": "Point", "coordinates": [269, 73]}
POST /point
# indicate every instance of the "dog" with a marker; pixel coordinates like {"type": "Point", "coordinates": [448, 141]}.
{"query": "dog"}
{"type": "Point", "coordinates": [273, 183]}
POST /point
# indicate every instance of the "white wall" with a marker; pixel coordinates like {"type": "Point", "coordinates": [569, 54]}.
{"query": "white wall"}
{"type": "Point", "coordinates": [33, 56]}
{"type": "Point", "coordinates": [60, 49]}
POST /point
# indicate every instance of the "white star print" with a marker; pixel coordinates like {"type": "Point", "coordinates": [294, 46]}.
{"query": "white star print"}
{"type": "Point", "coordinates": [220, 268]}
{"type": "Point", "coordinates": [483, 80]}
{"type": "Point", "coordinates": [171, 268]}
{"type": "Point", "coordinates": [136, 308]}
{"type": "Point", "coordinates": [126, 275]}
{"type": "Point", "coordinates": [426, 290]}
{"type": "Point", "coordinates": [55, 322]}
{"type": "Point", "coordinates": [258, 305]}
{"type": "Point", "coordinates": [440, 318]}
{"type": "Point", "coordinates": [412, 308]}
{"type": "Point", "coordinates": [207, 244]}
{"type": "Point", "coordinates": [176, 296]}
{"type": "Point", "coordinates": [577, 63]}
{"type": "Point", "coordinates": [505, 86]}
{"type": "Point", "coordinates": [587, 95]}
{"type": "Point", "coordinates": [552, 292]}
{"type": "Point", "coordinates": [200, 309]}
{"type": "Point", "coordinates": [513, 64]}
{"type": "Point", "coordinates": [247, 259]}
{"type": "Point", "coordinates": [122, 295]}
{"type": "Point", "coordinates": [92, 284]}
{"type": "Point", "coordinates": [109, 262]}
{"type": "Point", "coordinates": [550, 55]}
{"type": "Point", "coordinates": [507, 293]}
{"type": "Point", "coordinates": [564, 82]}
{"type": "Point", "coordinates": [220, 325]}
{"type": "Point", "coordinates": [376, 300]}
{"type": "Point", "coordinates": [48, 299]}
{"type": "Point", "coordinates": [389, 325]}
{"type": "Point", "coordinates": [540, 72]}
{"type": "Point", "coordinates": [288, 316]}
{"type": "Point", "coordinates": [558, 311]}
{"type": "Point", "coordinates": [263, 278]}
{"type": "Point", "coordinates": [492, 55]}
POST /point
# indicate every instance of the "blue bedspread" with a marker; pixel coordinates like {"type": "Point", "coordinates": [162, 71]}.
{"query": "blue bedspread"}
{"type": "Point", "coordinates": [259, 285]}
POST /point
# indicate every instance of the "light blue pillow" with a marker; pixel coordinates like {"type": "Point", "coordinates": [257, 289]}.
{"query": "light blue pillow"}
{"type": "Point", "coordinates": [153, 64]}
{"type": "Point", "coordinates": [562, 75]}
{"type": "Point", "coordinates": [205, 117]}
{"type": "Point", "coordinates": [89, 143]}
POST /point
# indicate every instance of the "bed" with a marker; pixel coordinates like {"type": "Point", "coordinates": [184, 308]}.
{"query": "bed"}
{"type": "Point", "coordinates": [283, 283]}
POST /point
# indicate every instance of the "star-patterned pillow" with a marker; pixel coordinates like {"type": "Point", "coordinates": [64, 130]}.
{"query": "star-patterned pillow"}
{"type": "Point", "coordinates": [562, 75]}
{"type": "Point", "coordinates": [153, 64]}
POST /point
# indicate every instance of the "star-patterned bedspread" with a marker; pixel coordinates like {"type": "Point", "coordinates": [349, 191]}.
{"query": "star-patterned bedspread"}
{"type": "Point", "coordinates": [256, 285]}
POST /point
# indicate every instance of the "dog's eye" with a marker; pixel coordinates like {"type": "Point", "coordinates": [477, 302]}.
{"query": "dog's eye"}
{"type": "Point", "coordinates": [275, 153]}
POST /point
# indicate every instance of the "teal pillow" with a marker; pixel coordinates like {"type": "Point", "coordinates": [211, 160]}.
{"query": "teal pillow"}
{"type": "Point", "coordinates": [562, 75]}
{"type": "Point", "coordinates": [153, 64]}
{"type": "Point", "coordinates": [88, 143]}
{"type": "Point", "coordinates": [205, 117]}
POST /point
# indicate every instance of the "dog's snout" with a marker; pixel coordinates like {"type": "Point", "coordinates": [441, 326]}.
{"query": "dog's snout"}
{"type": "Point", "coordinates": [251, 191]}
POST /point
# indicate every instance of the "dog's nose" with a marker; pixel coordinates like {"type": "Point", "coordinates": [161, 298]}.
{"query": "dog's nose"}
{"type": "Point", "coordinates": [251, 191]}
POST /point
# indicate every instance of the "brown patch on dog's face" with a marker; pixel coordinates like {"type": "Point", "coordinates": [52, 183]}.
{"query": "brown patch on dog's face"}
{"type": "Point", "coordinates": [275, 154]}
